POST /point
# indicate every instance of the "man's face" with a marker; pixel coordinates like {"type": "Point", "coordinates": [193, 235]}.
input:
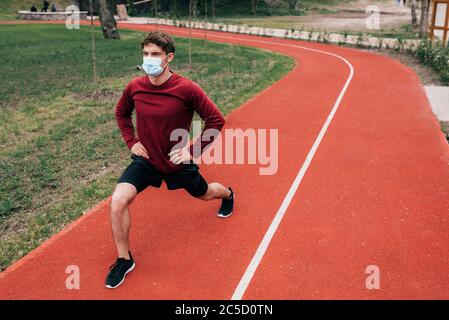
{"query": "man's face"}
{"type": "Point", "coordinates": [154, 51]}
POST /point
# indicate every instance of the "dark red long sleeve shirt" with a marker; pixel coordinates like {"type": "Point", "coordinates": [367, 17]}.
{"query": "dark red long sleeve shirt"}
{"type": "Point", "coordinates": [162, 109]}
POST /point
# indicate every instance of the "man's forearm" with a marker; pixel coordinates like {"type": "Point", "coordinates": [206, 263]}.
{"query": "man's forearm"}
{"type": "Point", "coordinates": [206, 138]}
{"type": "Point", "coordinates": [126, 127]}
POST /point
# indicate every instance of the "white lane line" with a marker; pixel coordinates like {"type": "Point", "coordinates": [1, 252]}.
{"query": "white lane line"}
{"type": "Point", "coordinates": [251, 269]}
{"type": "Point", "coordinates": [260, 252]}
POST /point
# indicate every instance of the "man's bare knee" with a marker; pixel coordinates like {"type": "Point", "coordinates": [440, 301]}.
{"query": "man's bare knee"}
{"type": "Point", "coordinates": [119, 203]}
{"type": "Point", "coordinates": [123, 195]}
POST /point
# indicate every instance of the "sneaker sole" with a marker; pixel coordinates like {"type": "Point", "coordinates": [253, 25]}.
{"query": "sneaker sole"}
{"type": "Point", "coordinates": [124, 276]}
{"type": "Point", "coordinates": [223, 217]}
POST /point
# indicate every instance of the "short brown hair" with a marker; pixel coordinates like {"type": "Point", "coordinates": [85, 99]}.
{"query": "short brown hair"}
{"type": "Point", "coordinates": [160, 39]}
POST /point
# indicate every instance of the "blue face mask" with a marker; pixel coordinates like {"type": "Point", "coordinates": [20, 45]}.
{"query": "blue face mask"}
{"type": "Point", "coordinates": [152, 66]}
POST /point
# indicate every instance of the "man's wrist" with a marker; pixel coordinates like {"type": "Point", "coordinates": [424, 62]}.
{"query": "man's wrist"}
{"type": "Point", "coordinates": [195, 150]}
{"type": "Point", "coordinates": [132, 143]}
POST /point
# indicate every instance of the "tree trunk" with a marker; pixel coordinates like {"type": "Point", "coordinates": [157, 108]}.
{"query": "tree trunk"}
{"type": "Point", "coordinates": [253, 7]}
{"type": "Point", "coordinates": [190, 32]}
{"type": "Point", "coordinates": [213, 9]}
{"type": "Point", "coordinates": [424, 23]}
{"type": "Point", "coordinates": [413, 8]}
{"type": "Point", "coordinates": [205, 23]}
{"type": "Point", "coordinates": [174, 8]}
{"type": "Point", "coordinates": [108, 23]}
{"type": "Point", "coordinates": [94, 50]}
{"type": "Point", "coordinates": [195, 8]}
{"type": "Point", "coordinates": [292, 4]}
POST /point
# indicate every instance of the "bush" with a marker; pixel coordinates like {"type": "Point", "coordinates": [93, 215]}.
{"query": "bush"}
{"type": "Point", "coordinates": [436, 56]}
{"type": "Point", "coordinates": [444, 77]}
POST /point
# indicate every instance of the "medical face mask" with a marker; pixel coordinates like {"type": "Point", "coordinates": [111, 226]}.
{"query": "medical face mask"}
{"type": "Point", "coordinates": [152, 66]}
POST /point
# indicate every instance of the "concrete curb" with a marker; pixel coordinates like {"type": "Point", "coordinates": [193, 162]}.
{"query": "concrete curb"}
{"type": "Point", "coordinates": [362, 40]}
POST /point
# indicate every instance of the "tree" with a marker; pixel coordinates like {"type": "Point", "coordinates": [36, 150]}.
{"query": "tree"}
{"type": "Point", "coordinates": [174, 8]}
{"type": "Point", "coordinates": [254, 4]}
{"type": "Point", "coordinates": [108, 23]}
{"type": "Point", "coordinates": [190, 32]}
{"type": "Point", "coordinates": [205, 23]}
{"type": "Point", "coordinates": [194, 8]}
{"type": "Point", "coordinates": [413, 9]}
{"type": "Point", "coordinates": [424, 21]}
{"type": "Point", "coordinates": [292, 4]}
{"type": "Point", "coordinates": [94, 50]}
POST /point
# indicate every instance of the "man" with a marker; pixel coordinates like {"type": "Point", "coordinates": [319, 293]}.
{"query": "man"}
{"type": "Point", "coordinates": [164, 102]}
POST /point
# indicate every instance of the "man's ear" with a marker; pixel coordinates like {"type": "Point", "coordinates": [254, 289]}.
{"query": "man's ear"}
{"type": "Point", "coordinates": [170, 57]}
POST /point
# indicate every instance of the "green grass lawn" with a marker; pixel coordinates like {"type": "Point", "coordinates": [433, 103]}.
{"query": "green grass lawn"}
{"type": "Point", "coordinates": [61, 152]}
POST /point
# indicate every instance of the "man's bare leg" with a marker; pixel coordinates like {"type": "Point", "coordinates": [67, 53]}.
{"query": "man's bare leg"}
{"type": "Point", "coordinates": [123, 195]}
{"type": "Point", "coordinates": [216, 191]}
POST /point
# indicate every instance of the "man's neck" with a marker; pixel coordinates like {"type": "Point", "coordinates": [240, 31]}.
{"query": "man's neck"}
{"type": "Point", "coordinates": [160, 79]}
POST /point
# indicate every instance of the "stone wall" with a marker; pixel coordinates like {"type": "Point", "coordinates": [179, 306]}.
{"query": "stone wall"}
{"type": "Point", "coordinates": [59, 15]}
{"type": "Point", "coordinates": [362, 40]}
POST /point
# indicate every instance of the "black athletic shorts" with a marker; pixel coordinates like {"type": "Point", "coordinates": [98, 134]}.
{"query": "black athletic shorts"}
{"type": "Point", "coordinates": [141, 174]}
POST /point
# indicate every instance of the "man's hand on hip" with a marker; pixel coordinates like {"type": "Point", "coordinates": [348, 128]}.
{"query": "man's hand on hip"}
{"type": "Point", "coordinates": [139, 150]}
{"type": "Point", "coordinates": [178, 156]}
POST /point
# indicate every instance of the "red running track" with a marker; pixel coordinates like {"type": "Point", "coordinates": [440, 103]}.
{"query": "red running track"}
{"type": "Point", "coordinates": [372, 190]}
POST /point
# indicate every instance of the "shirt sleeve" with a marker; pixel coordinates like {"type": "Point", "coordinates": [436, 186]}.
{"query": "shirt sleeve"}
{"type": "Point", "coordinates": [209, 113]}
{"type": "Point", "coordinates": [123, 115]}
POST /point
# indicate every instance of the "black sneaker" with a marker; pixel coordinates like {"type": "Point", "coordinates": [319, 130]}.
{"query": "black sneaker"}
{"type": "Point", "coordinates": [227, 205]}
{"type": "Point", "coordinates": [118, 271]}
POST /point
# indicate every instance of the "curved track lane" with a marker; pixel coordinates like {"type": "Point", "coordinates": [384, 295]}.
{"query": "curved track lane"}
{"type": "Point", "coordinates": [362, 179]}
